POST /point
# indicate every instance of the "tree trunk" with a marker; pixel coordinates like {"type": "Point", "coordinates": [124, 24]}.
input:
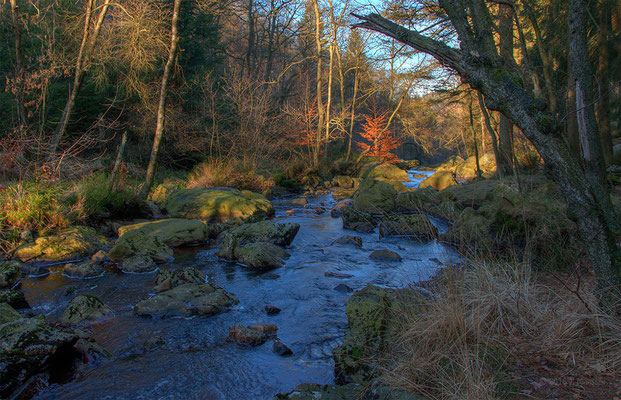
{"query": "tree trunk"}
{"type": "Point", "coordinates": [353, 113]}
{"type": "Point", "coordinates": [474, 138]}
{"type": "Point", "coordinates": [117, 163]}
{"type": "Point", "coordinates": [250, 49]}
{"type": "Point", "coordinates": [603, 105]}
{"type": "Point", "coordinates": [492, 133]}
{"type": "Point", "coordinates": [81, 65]}
{"type": "Point", "coordinates": [478, 63]}
{"type": "Point", "coordinates": [320, 109]}
{"type": "Point", "coordinates": [505, 130]}
{"type": "Point", "coordinates": [571, 125]}
{"type": "Point", "coordinates": [19, 65]}
{"type": "Point", "coordinates": [161, 110]}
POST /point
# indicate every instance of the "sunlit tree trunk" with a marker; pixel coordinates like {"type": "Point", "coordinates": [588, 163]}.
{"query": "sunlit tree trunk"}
{"type": "Point", "coordinates": [320, 108]}
{"type": "Point", "coordinates": [161, 109]}
{"type": "Point", "coordinates": [353, 112]}
{"type": "Point", "coordinates": [491, 131]}
{"type": "Point", "coordinates": [89, 39]}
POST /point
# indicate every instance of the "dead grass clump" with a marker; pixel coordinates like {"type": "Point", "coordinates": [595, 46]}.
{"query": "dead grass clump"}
{"type": "Point", "coordinates": [228, 173]}
{"type": "Point", "coordinates": [494, 331]}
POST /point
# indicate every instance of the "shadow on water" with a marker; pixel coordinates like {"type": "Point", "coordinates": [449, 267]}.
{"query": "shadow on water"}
{"type": "Point", "coordinates": [189, 358]}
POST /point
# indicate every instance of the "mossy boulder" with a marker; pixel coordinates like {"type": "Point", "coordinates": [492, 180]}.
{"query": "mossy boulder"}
{"type": "Point", "coordinates": [376, 196]}
{"type": "Point", "coordinates": [14, 298]}
{"type": "Point", "coordinates": [344, 182]}
{"type": "Point", "coordinates": [217, 204]}
{"type": "Point", "coordinates": [414, 226]}
{"type": "Point", "coordinates": [384, 171]}
{"type": "Point", "coordinates": [82, 270]}
{"type": "Point", "coordinates": [474, 194]}
{"type": "Point", "coordinates": [440, 180]}
{"type": "Point", "coordinates": [10, 273]}
{"type": "Point", "coordinates": [160, 193]}
{"type": "Point", "coordinates": [261, 256]}
{"type": "Point", "coordinates": [85, 308]}
{"type": "Point", "coordinates": [280, 234]}
{"type": "Point", "coordinates": [185, 300]}
{"type": "Point", "coordinates": [138, 242]}
{"type": "Point", "coordinates": [138, 264]}
{"type": "Point", "coordinates": [167, 279]}
{"type": "Point", "coordinates": [359, 221]}
{"type": "Point", "coordinates": [73, 242]}
{"type": "Point", "coordinates": [416, 200]}
{"type": "Point", "coordinates": [173, 232]}
{"type": "Point", "coordinates": [8, 313]}
{"type": "Point", "coordinates": [340, 207]}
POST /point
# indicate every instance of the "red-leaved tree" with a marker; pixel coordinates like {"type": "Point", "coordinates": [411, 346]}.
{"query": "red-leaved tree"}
{"type": "Point", "coordinates": [379, 142]}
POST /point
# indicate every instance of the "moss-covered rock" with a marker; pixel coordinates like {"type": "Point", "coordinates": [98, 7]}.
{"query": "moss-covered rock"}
{"type": "Point", "coordinates": [280, 234]}
{"type": "Point", "coordinates": [85, 308]}
{"type": "Point", "coordinates": [338, 209]}
{"type": "Point", "coordinates": [160, 193]}
{"type": "Point", "coordinates": [82, 270]}
{"type": "Point", "coordinates": [10, 273]}
{"type": "Point", "coordinates": [138, 242]}
{"type": "Point", "coordinates": [261, 256]}
{"type": "Point", "coordinates": [473, 194]}
{"type": "Point", "coordinates": [413, 226]}
{"type": "Point", "coordinates": [14, 298]}
{"type": "Point", "coordinates": [167, 279]}
{"type": "Point", "coordinates": [8, 313]}
{"type": "Point", "coordinates": [138, 264]}
{"type": "Point", "coordinates": [217, 204]}
{"type": "Point", "coordinates": [416, 200]}
{"type": "Point", "coordinates": [358, 221]}
{"type": "Point", "coordinates": [376, 196]}
{"type": "Point", "coordinates": [73, 242]}
{"type": "Point", "coordinates": [185, 300]}
{"type": "Point", "coordinates": [384, 171]}
{"type": "Point", "coordinates": [344, 182]}
{"type": "Point", "coordinates": [172, 231]}
{"type": "Point", "coordinates": [440, 180]}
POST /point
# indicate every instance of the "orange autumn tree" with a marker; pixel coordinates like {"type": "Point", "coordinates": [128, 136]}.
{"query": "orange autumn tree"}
{"type": "Point", "coordinates": [379, 142]}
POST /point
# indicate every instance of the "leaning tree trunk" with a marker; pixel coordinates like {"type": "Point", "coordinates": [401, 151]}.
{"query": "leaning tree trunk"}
{"type": "Point", "coordinates": [161, 110]}
{"type": "Point", "coordinates": [479, 64]}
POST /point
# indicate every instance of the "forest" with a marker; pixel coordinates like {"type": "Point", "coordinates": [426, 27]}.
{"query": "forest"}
{"type": "Point", "coordinates": [310, 199]}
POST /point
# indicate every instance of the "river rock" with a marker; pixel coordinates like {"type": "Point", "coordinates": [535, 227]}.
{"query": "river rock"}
{"type": "Point", "coordinates": [216, 204]}
{"type": "Point", "coordinates": [376, 196]}
{"type": "Point", "coordinates": [439, 180]}
{"type": "Point", "coordinates": [167, 279]}
{"type": "Point", "coordinates": [160, 193]}
{"type": "Point", "coordinates": [281, 349]}
{"type": "Point", "coordinates": [352, 391]}
{"type": "Point", "coordinates": [81, 270]}
{"type": "Point", "coordinates": [299, 201]}
{"type": "Point", "coordinates": [100, 257]}
{"type": "Point", "coordinates": [343, 181]}
{"type": "Point", "coordinates": [343, 288]}
{"type": "Point", "coordinates": [280, 234]}
{"type": "Point", "coordinates": [85, 308]}
{"type": "Point", "coordinates": [349, 239]}
{"type": "Point", "coordinates": [10, 273]}
{"type": "Point", "coordinates": [185, 300]}
{"type": "Point", "coordinates": [14, 298]}
{"type": "Point", "coordinates": [272, 310]}
{"type": "Point", "coordinates": [261, 256]}
{"type": "Point", "coordinates": [417, 200]}
{"type": "Point", "coordinates": [358, 221]}
{"type": "Point", "coordinates": [474, 194]}
{"type": "Point", "coordinates": [414, 226]}
{"type": "Point", "coordinates": [138, 243]}
{"type": "Point", "coordinates": [385, 255]}
{"type": "Point", "coordinates": [336, 274]}
{"type": "Point", "coordinates": [340, 207]}
{"type": "Point", "coordinates": [173, 232]}
{"type": "Point", "coordinates": [73, 242]}
{"type": "Point", "coordinates": [385, 171]}
{"type": "Point", "coordinates": [246, 336]}
{"type": "Point", "coordinates": [138, 264]}
{"type": "Point", "coordinates": [267, 328]}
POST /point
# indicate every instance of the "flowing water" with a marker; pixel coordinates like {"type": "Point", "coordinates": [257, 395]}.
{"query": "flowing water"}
{"type": "Point", "coordinates": [189, 358]}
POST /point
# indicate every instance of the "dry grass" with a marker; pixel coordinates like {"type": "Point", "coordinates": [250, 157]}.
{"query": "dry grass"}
{"type": "Point", "coordinates": [228, 173]}
{"type": "Point", "coordinates": [494, 331]}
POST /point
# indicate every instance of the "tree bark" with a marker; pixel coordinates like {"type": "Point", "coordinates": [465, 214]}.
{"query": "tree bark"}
{"type": "Point", "coordinates": [161, 110]}
{"type": "Point", "coordinates": [19, 65]}
{"type": "Point", "coordinates": [603, 105]}
{"type": "Point", "coordinates": [117, 163]}
{"type": "Point", "coordinates": [478, 64]}
{"type": "Point", "coordinates": [320, 109]}
{"type": "Point", "coordinates": [491, 132]}
{"type": "Point", "coordinates": [81, 65]}
{"type": "Point", "coordinates": [505, 130]}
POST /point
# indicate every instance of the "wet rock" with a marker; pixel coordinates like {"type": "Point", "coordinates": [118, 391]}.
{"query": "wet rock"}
{"type": "Point", "coordinates": [266, 328]}
{"type": "Point", "coordinates": [385, 255]}
{"type": "Point", "coordinates": [8, 314]}
{"type": "Point", "coordinates": [272, 310]}
{"type": "Point", "coordinates": [14, 298]}
{"type": "Point", "coordinates": [342, 194]}
{"type": "Point", "coordinates": [138, 264]}
{"type": "Point", "coordinates": [185, 300]}
{"type": "Point", "coordinates": [73, 242]}
{"type": "Point", "coordinates": [385, 171]}
{"type": "Point", "coordinates": [439, 180]}
{"type": "Point", "coordinates": [336, 274]}
{"type": "Point", "coordinates": [173, 232]}
{"type": "Point", "coordinates": [10, 273]}
{"type": "Point", "coordinates": [81, 270]}
{"type": "Point", "coordinates": [281, 349]}
{"type": "Point", "coordinates": [167, 279]}
{"type": "Point", "coordinates": [261, 256]}
{"type": "Point", "coordinates": [344, 182]}
{"type": "Point", "coordinates": [349, 239]}
{"type": "Point", "coordinates": [320, 210]}
{"type": "Point", "coordinates": [139, 243]}
{"type": "Point", "coordinates": [280, 234]}
{"type": "Point", "coordinates": [376, 196]}
{"type": "Point", "coordinates": [417, 200]}
{"type": "Point", "coordinates": [33, 270]}
{"type": "Point", "coordinates": [246, 336]}
{"type": "Point", "coordinates": [358, 221]}
{"type": "Point", "coordinates": [343, 288]}
{"type": "Point", "coordinates": [299, 201]}
{"type": "Point", "coordinates": [216, 204]}
{"type": "Point", "coordinates": [100, 257]}
{"type": "Point", "coordinates": [85, 308]}
{"type": "Point", "coordinates": [414, 226]}
{"type": "Point", "coordinates": [340, 207]}
{"type": "Point", "coordinates": [352, 391]}
{"type": "Point", "coordinates": [474, 194]}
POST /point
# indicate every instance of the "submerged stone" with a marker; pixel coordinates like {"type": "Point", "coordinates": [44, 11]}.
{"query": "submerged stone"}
{"type": "Point", "coordinates": [385, 255]}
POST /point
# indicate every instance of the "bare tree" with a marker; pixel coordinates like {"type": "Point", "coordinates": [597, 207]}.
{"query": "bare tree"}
{"type": "Point", "coordinates": [19, 64]}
